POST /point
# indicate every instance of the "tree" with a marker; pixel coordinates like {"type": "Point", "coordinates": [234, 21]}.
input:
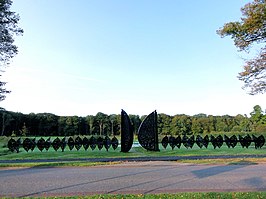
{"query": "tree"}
{"type": "Point", "coordinates": [256, 116]}
{"type": "Point", "coordinates": [115, 121]}
{"type": "Point", "coordinates": [250, 30]}
{"type": "Point", "coordinates": [89, 120]}
{"type": "Point", "coordinates": [6, 120]}
{"type": "Point", "coordinates": [135, 122]}
{"type": "Point", "coordinates": [101, 120]}
{"type": "Point", "coordinates": [8, 29]}
{"type": "Point", "coordinates": [197, 126]}
{"type": "Point", "coordinates": [164, 124]}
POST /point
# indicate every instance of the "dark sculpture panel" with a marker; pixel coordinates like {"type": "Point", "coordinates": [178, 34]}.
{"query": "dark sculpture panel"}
{"type": "Point", "coordinates": [56, 144]}
{"type": "Point", "coordinates": [100, 143]}
{"type": "Point", "coordinates": [114, 143]}
{"type": "Point", "coordinates": [27, 144]}
{"type": "Point", "coordinates": [86, 143]}
{"type": "Point", "coordinates": [63, 144]}
{"type": "Point", "coordinates": [126, 132]}
{"type": "Point", "coordinates": [47, 144]}
{"type": "Point", "coordinates": [107, 143]}
{"type": "Point", "coordinates": [78, 143]}
{"type": "Point", "coordinates": [93, 142]}
{"type": "Point", "coordinates": [165, 141]}
{"type": "Point", "coordinates": [71, 143]}
{"type": "Point", "coordinates": [148, 133]}
{"type": "Point", "coordinates": [41, 144]}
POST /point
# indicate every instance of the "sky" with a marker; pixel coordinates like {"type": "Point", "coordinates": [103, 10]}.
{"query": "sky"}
{"type": "Point", "coordinates": [87, 56]}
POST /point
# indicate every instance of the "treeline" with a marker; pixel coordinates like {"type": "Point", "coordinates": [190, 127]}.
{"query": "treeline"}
{"type": "Point", "coordinates": [47, 124]}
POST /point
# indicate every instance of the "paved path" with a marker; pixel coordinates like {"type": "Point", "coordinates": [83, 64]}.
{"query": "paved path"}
{"type": "Point", "coordinates": [131, 177]}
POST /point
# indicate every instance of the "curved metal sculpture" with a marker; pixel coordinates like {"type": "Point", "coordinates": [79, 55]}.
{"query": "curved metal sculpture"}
{"type": "Point", "coordinates": [148, 133]}
{"type": "Point", "coordinates": [126, 132]}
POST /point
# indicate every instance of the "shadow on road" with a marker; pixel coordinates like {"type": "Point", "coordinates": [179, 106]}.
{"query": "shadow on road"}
{"type": "Point", "coordinates": [204, 173]}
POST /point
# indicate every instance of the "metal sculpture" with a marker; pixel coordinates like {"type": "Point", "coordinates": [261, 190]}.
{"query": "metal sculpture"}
{"type": "Point", "coordinates": [63, 144]}
{"type": "Point", "coordinates": [199, 141]}
{"type": "Point", "coordinates": [71, 143]}
{"type": "Point", "coordinates": [233, 141]}
{"type": "Point", "coordinates": [171, 142]}
{"type": "Point", "coordinates": [27, 144]}
{"type": "Point", "coordinates": [47, 144]}
{"type": "Point", "coordinates": [217, 141]}
{"type": "Point", "coordinates": [41, 144]}
{"type": "Point", "coordinates": [13, 145]}
{"type": "Point", "coordinates": [148, 133]}
{"type": "Point", "coordinates": [178, 141]}
{"type": "Point", "coordinates": [56, 144]}
{"type": "Point", "coordinates": [93, 142]}
{"type": "Point", "coordinates": [185, 141]}
{"type": "Point", "coordinates": [86, 143]}
{"type": "Point", "coordinates": [100, 143]}
{"type": "Point", "coordinates": [126, 132]}
{"type": "Point", "coordinates": [106, 143]}
{"type": "Point", "coordinates": [114, 143]}
{"type": "Point", "coordinates": [245, 141]}
{"type": "Point", "coordinates": [78, 143]}
{"type": "Point", "coordinates": [165, 141]}
{"type": "Point", "coordinates": [33, 144]}
{"type": "Point", "coordinates": [259, 141]}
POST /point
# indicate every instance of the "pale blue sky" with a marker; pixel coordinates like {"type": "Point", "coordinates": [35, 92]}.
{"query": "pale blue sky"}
{"type": "Point", "coordinates": [87, 56]}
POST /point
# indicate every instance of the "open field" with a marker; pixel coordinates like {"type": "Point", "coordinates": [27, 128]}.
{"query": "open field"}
{"type": "Point", "coordinates": [5, 154]}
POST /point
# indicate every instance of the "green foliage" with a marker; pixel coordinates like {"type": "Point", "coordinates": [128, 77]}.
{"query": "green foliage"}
{"type": "Point", "coordinates": [47, 124]}
{"type": "Point", "coordinates": [8, 28]}
{"type": "Point", "coordinates": [251, 29]}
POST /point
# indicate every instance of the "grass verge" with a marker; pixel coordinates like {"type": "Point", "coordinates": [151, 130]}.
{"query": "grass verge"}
{"type": "Point", "coordinates": [224, 161]}
{"type": "Point", "coordinates": [227, 161]}
{"type": "Point", "coordinates": [58, 164]}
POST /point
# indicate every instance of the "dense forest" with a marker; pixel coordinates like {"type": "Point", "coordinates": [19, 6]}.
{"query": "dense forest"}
{"type": "Point", "coordinates": [47, 124]}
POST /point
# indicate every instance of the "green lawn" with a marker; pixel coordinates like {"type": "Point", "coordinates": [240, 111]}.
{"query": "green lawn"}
{"type": "Point", "coordinates": [5, 154]}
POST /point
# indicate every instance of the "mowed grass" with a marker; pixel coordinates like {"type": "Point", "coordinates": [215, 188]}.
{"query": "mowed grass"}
{"type": "Point", "coordinates": [5, 154]}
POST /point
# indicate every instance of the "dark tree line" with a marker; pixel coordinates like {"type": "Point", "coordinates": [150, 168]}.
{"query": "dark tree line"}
{"type": "Point", "coordinates": [47, 124]}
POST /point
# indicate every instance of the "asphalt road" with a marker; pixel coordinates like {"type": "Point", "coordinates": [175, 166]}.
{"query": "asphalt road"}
{"type": "Point", "coordinates": [131, 177]}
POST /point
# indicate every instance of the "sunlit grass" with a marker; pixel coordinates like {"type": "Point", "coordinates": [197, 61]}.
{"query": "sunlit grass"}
{"type": "Point", "coordinates": [59, 164]}
{"type": "Point", "coordinates": [5, 154]}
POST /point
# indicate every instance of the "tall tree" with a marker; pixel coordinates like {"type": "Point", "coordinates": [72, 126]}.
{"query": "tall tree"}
{"type": "Point", "coordinates": [101, 120]}
{"type": "Point", "coordinates": [8, 29]}
{"type": "Point", "coordinates": [250, 30]}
